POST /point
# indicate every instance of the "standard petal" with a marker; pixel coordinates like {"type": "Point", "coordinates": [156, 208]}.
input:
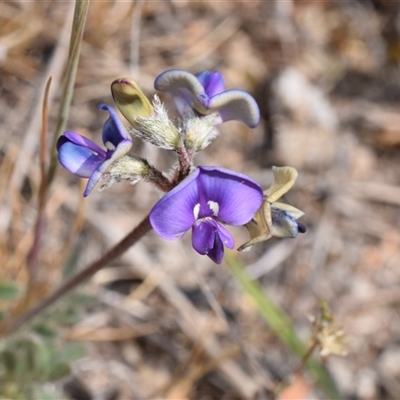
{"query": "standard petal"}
{"type": "Point", "coordinates": [236, 105]}
{"type": "Point", "coordinates": [114, 130]}
{"type": "Point", "coordinates": [173, 215]}
{"type": "Point", "coordinates": [78, 160]}
{"type": "Point", "coordinates": [284, 179]}
{"type": "Point", "coordinates": [81, 141]}
{"type": "Point", "coordinates": [212, 81]}
{"type": "Point", "coordinates": [238, 197]}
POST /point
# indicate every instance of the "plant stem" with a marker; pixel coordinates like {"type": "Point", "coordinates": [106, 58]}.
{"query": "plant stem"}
{"type": "Point", "coordinates": [130, 239]}
{"type": "Point", "coordinates": [78, 26]}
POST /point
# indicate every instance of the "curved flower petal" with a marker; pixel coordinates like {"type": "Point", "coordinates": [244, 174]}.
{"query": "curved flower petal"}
{"type": "Point", "coordinates": [184, 88]}
{"type": "Point", "coordinates": [238, 197]}
{"type": "Point", "coordinates": [212, 82]}
{"type": "Point", "coordinates": [209, 238]}
{"type": "Point", "coordinates": [283, 225]}
{"type": "Point", "coordinates": [130, 100]}
{"type": "Point", "coordinates": [284, 179]}
{"type": "Point", "coordinates": [81, 141]}
{"type": "Point", "coordinates": [217, 252]}
{"type": "Point", "coordinates": [203, 235]}
{"type": "Point", "coordinates": [236, 105]}
{"type": "Point", "coordinates": [173, 215]}
{"type": "Point", "coordinates": [225, 236]}
{"type": "Point", "coordinates": [77, 159]}
{"type": "Point", "coordinates": [289, 210]}
{"type": "Point", "coordinates": [114, 130]}
{"type": "Point", "coordinates": [91, 183]}
{"type": "Point", "coordinates": [175, 79]}
{"type": "Point", "coordinates": [205, 94]}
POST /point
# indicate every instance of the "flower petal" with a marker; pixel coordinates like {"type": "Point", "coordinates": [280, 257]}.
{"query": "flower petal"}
{"type": "Point", "coordinates": [236, 105]}
{"type": "Point", "coordinates": [114, 130]}
{"type": "Point", "coordinates": [217, 252]}
{"type": "Point", "coordinates": [284, 179]}
{"type": "Point", "coordinates": [225, 236]}
{"type": "Point", "coordinates": [173, 215]}
{"type": "Point", "coordinates": [212, 82]}
{"type": "Point", "coordinates": [209, 238]}
{"type": "Point", "coordinates": [120, 151]}
{"type": "Point", "coordinates": [184, 88]}
{"type": "Point", "coordinates": [77, 159]}
{"type": "Point", "coordinates": [293, 212]}
{"type": "Point", "coordinates": [283, 225]}
{"type": "Point", "coordinates": [81, 141]}
{"type": "Point", "coordinates": [238, 197]}
{"type": "Point", "coordinates": [130, 100]}
{"type": "Point", "coordinates": [203, 235]}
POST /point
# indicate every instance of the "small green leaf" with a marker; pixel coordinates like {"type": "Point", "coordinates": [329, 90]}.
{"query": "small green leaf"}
{"type": "Point", "coordinates": [59, 371]}
{"type": "Point", "coordinates": [7, 358]}
{"type": "Point", "coordinates": [8, 291]}
{"type": "Point", "coordinates": [45, 330]}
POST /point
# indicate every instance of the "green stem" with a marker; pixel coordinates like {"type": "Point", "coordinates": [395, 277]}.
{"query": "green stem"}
{"type": "Point", "coordinates": [280, 324]}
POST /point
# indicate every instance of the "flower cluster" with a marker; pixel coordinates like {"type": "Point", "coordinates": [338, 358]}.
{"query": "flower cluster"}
{"type": "Point", "coordinates": [203, 199]}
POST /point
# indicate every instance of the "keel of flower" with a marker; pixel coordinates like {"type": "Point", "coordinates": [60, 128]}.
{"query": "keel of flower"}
{"type": "Point", "coordinates": [205, 94]}
{"type": "Point", "coordinates": [275, 219]}
{"type": "Point", "coordinates": [207, 199]}
{"type": "Point", "coordinates": [85, 158]}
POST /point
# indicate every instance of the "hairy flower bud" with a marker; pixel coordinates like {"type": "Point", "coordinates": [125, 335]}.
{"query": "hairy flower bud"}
{"type": "Point", "coordinates": [126, 168]}
{"type": "Point", "coordinates": [158, 129]}
{"type": "Point", "coordinates": [130, 100]}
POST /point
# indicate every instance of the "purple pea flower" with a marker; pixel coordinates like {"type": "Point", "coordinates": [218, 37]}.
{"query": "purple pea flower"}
{"type": "Point", "coordinates": [85, 158]}
{"type": "Point", "coordinates": [205, 94]}
{"type": "Point", "coordinates": [208, 198]}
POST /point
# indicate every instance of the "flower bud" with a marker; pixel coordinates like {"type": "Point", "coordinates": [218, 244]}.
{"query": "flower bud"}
{"type": "Point", "coordinates": [126, 168]}
{"type": "Point", "coordinates": [158, 129]}
{"type": "Point", "coordinates": [130, 100]}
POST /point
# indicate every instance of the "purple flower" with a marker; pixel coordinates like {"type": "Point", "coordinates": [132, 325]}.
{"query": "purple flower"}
{"type": "Point", "coordinates": [85, 158]}
{"type": "Point", "coordinates": [205, 94]}
{"type": "Point", "coordinates": [204, 201]}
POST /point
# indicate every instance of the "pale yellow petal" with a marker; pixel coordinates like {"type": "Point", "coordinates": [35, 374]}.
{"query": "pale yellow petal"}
{"type": "Point", "coordinates": [284, 179]}
{"type": "Point", "coordinates": [262, 238]}
{"type": "Point", "coordinates": [130, 100]}
{"type": "Point", "coordinates": [293, 212]}
{"type": "Point", "coordinates": [259, 227]}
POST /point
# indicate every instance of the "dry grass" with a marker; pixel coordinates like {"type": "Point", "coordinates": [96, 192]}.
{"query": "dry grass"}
{"type": "Point", "coordinates": [169, 323]}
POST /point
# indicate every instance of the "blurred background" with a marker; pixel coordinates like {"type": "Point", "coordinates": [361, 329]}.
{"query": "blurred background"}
{"type": "Point", "coordinates": [163, 321]}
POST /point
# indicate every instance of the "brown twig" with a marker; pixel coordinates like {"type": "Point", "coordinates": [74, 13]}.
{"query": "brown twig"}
{"type": "Point", "coordinates": [42, 195]}
{"type": "Point", "coordinates": [136, 234]}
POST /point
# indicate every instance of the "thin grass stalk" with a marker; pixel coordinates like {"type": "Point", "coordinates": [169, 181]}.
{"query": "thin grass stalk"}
{"type": "Point", "coordinates": [78, 27]}
{"type": "Point", "coordinates": [280, 324]}
{"type": "Point", "coordinates": [32, 258]}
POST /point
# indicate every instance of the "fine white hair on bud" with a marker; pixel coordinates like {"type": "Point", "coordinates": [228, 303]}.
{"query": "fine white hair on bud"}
{"type": "Point", "coordinates": [126, 168]}
{"type": "Point", "coordinates": [200, 131]}
{"type": "Point", "coordinates": [158, 129]}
